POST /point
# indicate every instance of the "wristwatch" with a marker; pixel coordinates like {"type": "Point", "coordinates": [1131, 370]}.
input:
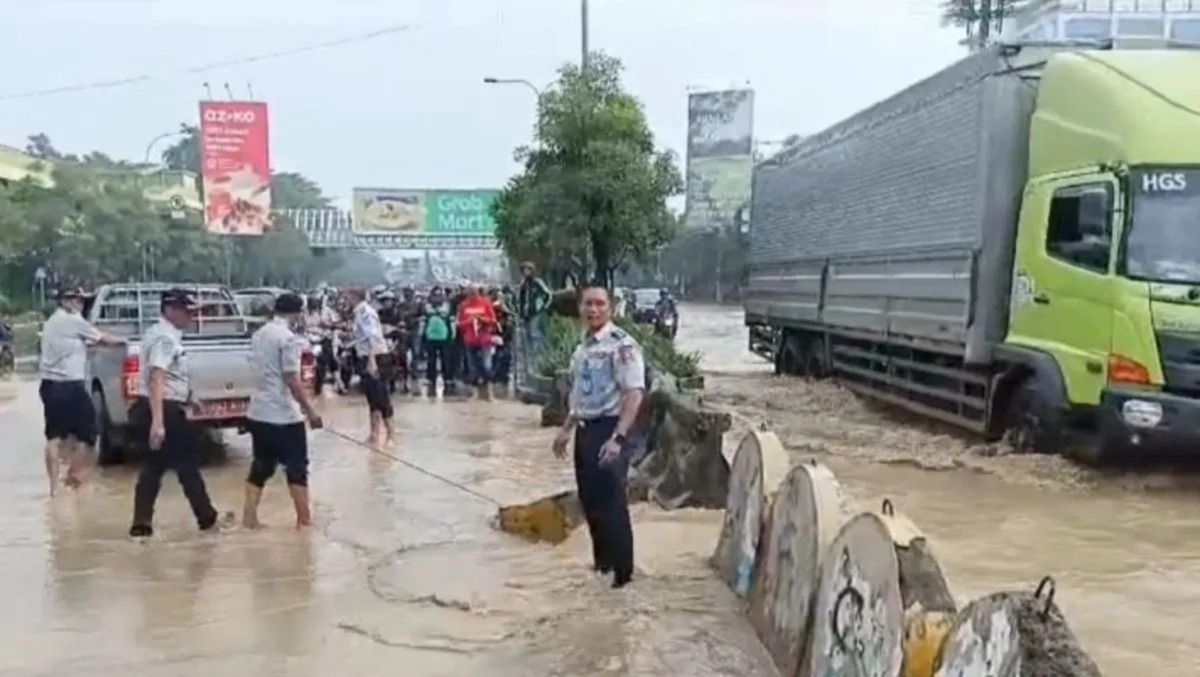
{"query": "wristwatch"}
{"type": "Point", "coordinates": [619, 438]}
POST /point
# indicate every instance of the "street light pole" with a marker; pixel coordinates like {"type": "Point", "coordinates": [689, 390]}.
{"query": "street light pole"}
{"type": "Point", "coordinates": [584, 34]}
{"type": "Point", "coordinates": [537, 93]}
{"type": "Point", "coordinates": [160, 137]}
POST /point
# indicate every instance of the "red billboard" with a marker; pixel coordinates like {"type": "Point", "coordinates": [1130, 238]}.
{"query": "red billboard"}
{"type": "Point", "coordinates": [235, 166]}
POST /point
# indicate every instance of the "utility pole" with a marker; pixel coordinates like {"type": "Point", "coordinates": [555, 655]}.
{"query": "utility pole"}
{"type": "Point", "coordinates": [583, 62]}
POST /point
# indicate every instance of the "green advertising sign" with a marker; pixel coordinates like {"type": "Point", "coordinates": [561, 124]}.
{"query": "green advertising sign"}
{"type": "Point", "coordinates": [428, 212]}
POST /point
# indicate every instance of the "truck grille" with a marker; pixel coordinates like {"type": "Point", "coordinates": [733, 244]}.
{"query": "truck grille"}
{"type": "Point", "coordinates": [1180, 354]}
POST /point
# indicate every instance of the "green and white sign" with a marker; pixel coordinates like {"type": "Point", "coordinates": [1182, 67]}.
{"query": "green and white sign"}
{"type": "Point", "coordinates": [428, 212]}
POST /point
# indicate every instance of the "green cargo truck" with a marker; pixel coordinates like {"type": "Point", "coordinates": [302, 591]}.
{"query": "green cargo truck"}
{"type": "Point", "coordinates": [1011, 245]}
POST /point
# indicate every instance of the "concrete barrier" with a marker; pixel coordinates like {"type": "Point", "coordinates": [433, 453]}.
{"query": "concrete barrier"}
{"type": "Point", "coordinates": [805, 516]}
{"type": "Point", "coordinates": [737, 546]}
{"type": "Point", "coordinates": [866, 596]}
{"type": "Point", "coordinates": [1014, 634]}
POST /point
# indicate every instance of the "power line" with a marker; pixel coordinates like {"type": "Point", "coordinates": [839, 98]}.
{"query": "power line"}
{"type": "Point", "coordinates": [192, 70]}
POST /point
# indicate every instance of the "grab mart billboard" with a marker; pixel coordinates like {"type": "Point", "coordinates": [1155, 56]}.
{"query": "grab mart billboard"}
{"type": "Point", "coordinates": [424, 212]}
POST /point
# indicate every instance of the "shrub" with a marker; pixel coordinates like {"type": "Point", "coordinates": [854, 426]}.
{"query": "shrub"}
{"type": "Point", "coordinates": [563, 334]}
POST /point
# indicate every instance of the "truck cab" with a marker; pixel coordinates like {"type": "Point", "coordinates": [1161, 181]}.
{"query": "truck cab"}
{"type": "Point", "coordinates": [1106, 273]}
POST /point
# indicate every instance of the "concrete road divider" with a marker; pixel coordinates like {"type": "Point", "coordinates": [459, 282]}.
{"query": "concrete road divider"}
{"type": "Point", "coordinates": [1014, 634]}
{"type": "Point", "coordinates": [805, 516]}
{"type": "Point", "coordinates": [745, 507]}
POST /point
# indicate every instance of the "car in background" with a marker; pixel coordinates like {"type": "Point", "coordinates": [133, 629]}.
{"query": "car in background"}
{"type": "Point", "coordinates": [257, 303]}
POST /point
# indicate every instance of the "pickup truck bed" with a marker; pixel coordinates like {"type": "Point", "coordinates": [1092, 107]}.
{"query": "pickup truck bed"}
{"type": "Point", "coordinates": [218, 348]}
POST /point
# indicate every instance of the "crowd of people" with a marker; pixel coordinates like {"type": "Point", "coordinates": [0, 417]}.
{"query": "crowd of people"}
{"type": "Point", "coordinates": [460, 337]}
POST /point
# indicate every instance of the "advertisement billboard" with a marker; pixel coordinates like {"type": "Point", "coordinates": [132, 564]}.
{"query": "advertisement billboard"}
{"type": "Point", "coordinates": [720, 162]}
{"type": "Point", "coordinates": [425, 212]}
{"type": "Point", "coordinates": [235, 167]}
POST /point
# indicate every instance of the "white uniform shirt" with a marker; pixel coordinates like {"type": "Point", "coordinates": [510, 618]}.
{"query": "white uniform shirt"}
{"type": "Point", "coordinates": [604, 365]}
{"type": "Point", "coordinates": [162, 348]}
{"type": "Point", "coordinates": [65, 339]}
{"type": "Point", "coordinates": [368, 331]}
{"type": "Point", "coordinates": [275, 352]}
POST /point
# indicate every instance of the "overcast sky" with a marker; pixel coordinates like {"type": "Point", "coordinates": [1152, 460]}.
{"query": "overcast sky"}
{"type": "Point", "coordinates": [408, 109]}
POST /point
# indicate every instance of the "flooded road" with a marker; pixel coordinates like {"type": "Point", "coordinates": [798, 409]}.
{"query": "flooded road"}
{"type": "Point", "coordinates": [403, 575]}
{"type": "Point", "coordinates": [1121, 544]}
{"type": "Point", "coordinates": [400, 574]}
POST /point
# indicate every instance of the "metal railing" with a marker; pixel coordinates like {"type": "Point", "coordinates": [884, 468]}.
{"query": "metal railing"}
{"type": "Point", "coordinates": [1034, 11]}
{"type": "Point", "coordinates": [335, 229]}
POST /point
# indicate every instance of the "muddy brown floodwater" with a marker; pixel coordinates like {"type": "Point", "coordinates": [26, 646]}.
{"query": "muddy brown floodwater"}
{"type": "Point", "coordinates": [400, 576]}
{"type": "Point", "coordinates": [1122, 544]}
{"type": "Point", "coordinates": [404, 576]}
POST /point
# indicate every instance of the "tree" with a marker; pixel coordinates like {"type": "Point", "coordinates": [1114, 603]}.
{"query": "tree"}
{"type": "Point", "coordinates": [981, 19]}
{"type": "Point", "coordinates": [290, 190]}
{"type": "Point", "coordinates": [184, 154]}
{"type": "Point", "coordinates": [592, 193]}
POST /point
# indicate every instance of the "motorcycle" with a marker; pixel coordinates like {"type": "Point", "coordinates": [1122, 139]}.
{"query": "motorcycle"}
{"type": "Point", "coordinates": [347, 361]}
{"type": "Point", "coordinates": [666, 324]}
{"type": "Point", "coordinates": [326, 362]}
{"type": "Point", "coordinates": [397, 340]}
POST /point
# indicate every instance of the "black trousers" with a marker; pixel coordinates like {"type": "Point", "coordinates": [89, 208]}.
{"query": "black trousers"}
{"type": "Point", "coordinates": [378, 388]}
{"type": "Point", "coordinates": [180, 452]}
{"type": "Point", "coordinates": [605, 503]}
{"type": "Point", "coordinates": [437, 356]}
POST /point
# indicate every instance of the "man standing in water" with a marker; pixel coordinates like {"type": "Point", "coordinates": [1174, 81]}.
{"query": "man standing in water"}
{"type": "Point", "coordinates": [377, 367]}
{"type": "Point", "coordinates": [278, 409]}
{"type": "Point", "coordinates": [164, 392]}
{"type": "Point", "coordinates": [70, 419]}
{"type": "Point", "coordinates": [608, 382]}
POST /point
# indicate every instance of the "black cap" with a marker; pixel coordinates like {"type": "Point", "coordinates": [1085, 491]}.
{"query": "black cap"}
{"type": "Point", "coordinates": [289, 304]}
{"type": "Point", "coordinates": [178, 298]}
{"type": "Point", "coordinates": [71, 293]}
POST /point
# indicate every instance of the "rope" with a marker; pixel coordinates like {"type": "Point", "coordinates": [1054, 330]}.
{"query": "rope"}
{"type": "Point", "coordinates": [414, 466]}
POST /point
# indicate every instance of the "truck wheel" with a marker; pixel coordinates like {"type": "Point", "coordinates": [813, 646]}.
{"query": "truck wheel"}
{"type": "Point", "coordinates": [789, 359]}
{"type": "Point", "coordinates": [108, 443]}
{"type": "Point", "coordinates": [1033, 425]}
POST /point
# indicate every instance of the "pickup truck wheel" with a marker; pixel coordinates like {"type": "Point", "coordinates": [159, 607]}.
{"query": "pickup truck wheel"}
{"type": "Point", "coordinates": [1032, 424]}
{"type": "Point", "coordinates": [108, 447]}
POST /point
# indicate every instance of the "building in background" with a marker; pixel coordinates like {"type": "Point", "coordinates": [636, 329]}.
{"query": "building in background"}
{"type": "Point", "coordinates": [1129, 23]}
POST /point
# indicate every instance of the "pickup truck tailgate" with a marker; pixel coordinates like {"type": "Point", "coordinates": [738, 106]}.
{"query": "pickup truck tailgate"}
{"type": "Point", "coordinates": [220, 368]}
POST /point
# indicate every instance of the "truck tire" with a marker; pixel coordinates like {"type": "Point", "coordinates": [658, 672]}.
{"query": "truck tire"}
{"type": "Point", "coordinates": [1033, 424]}
{"type": "Point", "coordinates": [789, 358]}
{"type": "Point", "coordinates": [109, 447]}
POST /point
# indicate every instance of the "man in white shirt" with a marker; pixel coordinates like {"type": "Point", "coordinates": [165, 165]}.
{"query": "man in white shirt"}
{"type": "Point", "coordinates": [69, 415]}
{"type": "Point", "coordinates": [377, 370]}
{"type": "Point", "coordinates": [278, 408]}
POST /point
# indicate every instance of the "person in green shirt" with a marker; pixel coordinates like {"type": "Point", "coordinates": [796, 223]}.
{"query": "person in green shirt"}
{"type": "Point", "coordinates": [437, 331]}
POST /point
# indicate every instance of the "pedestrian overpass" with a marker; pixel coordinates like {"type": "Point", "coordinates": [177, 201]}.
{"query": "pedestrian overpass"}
{"type": "Point", "coordinates": [334, 229]}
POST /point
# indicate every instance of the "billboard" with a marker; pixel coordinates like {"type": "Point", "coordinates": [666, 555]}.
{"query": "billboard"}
{"type": "Point", "coordinates": [424, 212]}
{"type": "Point", "coordinates": [720, 162]}
{"type": "Point", "coordinates": [235, 167]}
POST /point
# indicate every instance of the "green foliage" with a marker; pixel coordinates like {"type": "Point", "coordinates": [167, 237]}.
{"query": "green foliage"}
{"type": "Point", "coordinates": [94, 225]}
{"type": "Point", "coordinates": [593, 190]}
{"type": "Point", "coordinates": [981, 19]}
{"type": "Point", "coordinates": [564, 333]}
{"type": "Point", "coordinates": [184, 154]}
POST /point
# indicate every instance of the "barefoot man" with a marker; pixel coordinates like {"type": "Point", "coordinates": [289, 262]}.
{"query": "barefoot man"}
{"type": "Point", "coordinates": [70, 419]}
{"type": "Point", "coordinates": [376, 369]}
{"type": "Point", "coordinates": [278, 408]}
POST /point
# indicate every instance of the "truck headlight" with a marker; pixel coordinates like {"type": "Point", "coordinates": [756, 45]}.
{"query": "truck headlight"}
{"type": "Point", "coordinates": [1141, 413]}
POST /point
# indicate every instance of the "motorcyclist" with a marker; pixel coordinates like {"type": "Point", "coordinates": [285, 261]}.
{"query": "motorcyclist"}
{"type": "Point", "coordinates": [7, 356]}
{"type": "Point", "coordinates": [322, 321]}
{"type": "Point", "coordinates": [666, 315]}
{"type": "Point", "coordinates": [665, 304]}
{"type": "Point", "coordinates": [391, 317]}
{"type": "Point", "coordinates": [412, 310]}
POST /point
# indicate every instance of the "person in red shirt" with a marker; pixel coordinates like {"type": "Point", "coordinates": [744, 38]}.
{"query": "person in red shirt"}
{"type": "Point", "coordinates": [478, 327]}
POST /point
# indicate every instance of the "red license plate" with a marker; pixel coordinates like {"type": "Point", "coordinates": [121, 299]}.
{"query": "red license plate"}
{"type": "Point", "coordinates": [219, 409]}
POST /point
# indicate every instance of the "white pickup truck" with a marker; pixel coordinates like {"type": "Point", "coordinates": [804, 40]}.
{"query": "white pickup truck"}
{"type": "Point", "coordinates": [218, 348]}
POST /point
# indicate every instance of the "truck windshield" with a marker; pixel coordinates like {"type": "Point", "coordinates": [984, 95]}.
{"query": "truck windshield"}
{"type": "Point", "coordinates": [1163, 242]}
